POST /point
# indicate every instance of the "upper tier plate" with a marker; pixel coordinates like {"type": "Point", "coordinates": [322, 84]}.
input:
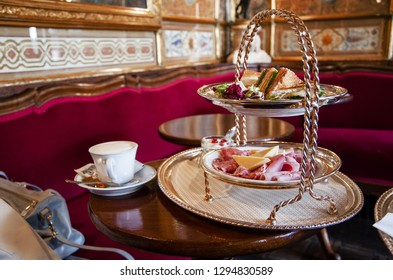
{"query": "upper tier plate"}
{"type": "Point", "coordinates": [274, 108]}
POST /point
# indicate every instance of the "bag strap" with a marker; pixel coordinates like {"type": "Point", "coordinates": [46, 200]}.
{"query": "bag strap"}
{"type": "Point", "coordinates": [46, 214]}
{"type": "Point", "coordinates": [123, 253]}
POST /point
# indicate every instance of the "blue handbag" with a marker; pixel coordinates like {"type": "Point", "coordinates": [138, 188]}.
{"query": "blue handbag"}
{"type": "Point", "coordinates": [47, 213]}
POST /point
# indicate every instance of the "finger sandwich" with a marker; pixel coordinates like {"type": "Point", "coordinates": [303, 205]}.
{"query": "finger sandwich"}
{"type": "Point", "coordinates": [267, 77]}
{"type": "Point", "coordinates": [250, 77]}
{"type": "Point", "coordinates": [275, 84]}
{"type": "Point", "coordinates": [285, 85]}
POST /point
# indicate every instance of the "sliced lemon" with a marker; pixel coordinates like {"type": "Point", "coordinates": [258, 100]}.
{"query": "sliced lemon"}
{"type": "Point", "coordinates": [269, 152]}
{"type": "Point", "coordinates": [250, 162]}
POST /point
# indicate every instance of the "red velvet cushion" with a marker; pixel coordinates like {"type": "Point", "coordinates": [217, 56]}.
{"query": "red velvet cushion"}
{"type": "Point", "coordinates": [366, 155]}
{"type": "Point", "coordinates": [45, 145]}
{"type": "Point", "coordinates": [371, 104]}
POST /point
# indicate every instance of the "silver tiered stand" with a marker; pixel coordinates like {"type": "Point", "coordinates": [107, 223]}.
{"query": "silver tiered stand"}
{"type": "Point", "coordinates": [311, 103]}
{"type": "Point", "coordinates": [180, 180]}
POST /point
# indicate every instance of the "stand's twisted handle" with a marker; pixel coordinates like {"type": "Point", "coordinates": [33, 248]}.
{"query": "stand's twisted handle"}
{"type": "Point", "coordinates": [311, 101]}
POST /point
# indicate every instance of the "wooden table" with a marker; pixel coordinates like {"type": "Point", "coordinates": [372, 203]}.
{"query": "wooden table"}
{"type": "Point", "coordinates": [148, 220]}
{"type": "Point", "coordinates": [189, 130]}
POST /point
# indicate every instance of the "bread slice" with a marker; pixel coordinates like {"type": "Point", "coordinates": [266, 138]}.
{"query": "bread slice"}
{"type": "Point", "coordinates": [289, 93]}
{"type": "Point", "coordinates": [285, 80]}
{"type": "Point", "coordinates": [250, 77]}
{"type": "Point", "coordinates": [268, 78]}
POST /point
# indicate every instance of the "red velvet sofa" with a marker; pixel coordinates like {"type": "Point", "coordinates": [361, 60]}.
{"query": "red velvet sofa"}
{"type": "Point", "coordinates": [360, 131]}
{"type": "Point", "coordinates": [44, 145]}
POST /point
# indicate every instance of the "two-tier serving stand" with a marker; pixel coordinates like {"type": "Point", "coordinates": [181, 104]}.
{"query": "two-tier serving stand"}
{"type": "Point", "coordinates": [181, 181]}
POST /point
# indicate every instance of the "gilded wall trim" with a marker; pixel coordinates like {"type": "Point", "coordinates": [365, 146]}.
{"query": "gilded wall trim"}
{"type": "Point", "coordinates": [43, 49]}
{"type": "Point", "coordinates": [47, 13]}
{"type": "Point", "coordinates": [34, 96]}
{"type": "Point", "coordinates": [340, 39]}
{"type": "Point", "coordinates": [334, 9]}
{"type": "Point", "coordinates": [188, 43]}
{"type": "Point", "coordinates": [191, 10]}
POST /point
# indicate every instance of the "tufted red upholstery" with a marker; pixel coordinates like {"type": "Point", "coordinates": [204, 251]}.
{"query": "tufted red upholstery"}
{"type": "Point", "coordinates": [44, 145]}
{"type": "Point", "coordinates": [360, 131]}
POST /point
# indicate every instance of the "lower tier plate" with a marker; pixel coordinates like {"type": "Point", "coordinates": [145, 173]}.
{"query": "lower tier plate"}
{"type": "Point", "coordinates": [326, 163]}
{"type": "Point", "coordinates": [182, 180]}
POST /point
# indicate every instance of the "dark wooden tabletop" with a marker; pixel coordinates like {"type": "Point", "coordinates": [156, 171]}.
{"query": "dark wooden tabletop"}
{"type": "Point", "coordinates": [189, 130]}
{"type": "Point", "coordinates": [148, 220]}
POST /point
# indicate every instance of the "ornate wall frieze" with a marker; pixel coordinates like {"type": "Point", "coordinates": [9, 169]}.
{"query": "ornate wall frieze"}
{"type": "Point", "coordinates": [70, 16]}
{"type": "Point", "coordinates": [188, 43]}
{"type": "Point", "coordinates": [35, 96]}
{"type": "Point", "coordinates": [52, 49]}
{"type": "Point", "coordinates": [357, 38]}
{"type": "Point", "coordinates": [14, 99]}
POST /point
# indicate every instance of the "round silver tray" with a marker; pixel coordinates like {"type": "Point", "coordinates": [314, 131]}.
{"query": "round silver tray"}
{"type": "Point", "coordinates": [273, 108]}
{"type": "Point", "coordinates": [384, 205]}
{"type": "Point", "coordinates": [181, 179]}
{"type": "Point", "coordinates": [327, 163]}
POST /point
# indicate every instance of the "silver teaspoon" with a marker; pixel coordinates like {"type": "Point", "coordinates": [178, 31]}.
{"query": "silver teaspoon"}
{"type": "Point", "coordinates": [107, 184]}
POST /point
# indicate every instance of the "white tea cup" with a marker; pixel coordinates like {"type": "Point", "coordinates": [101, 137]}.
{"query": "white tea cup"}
{"type": "Point", "coordinates": [114, 161]}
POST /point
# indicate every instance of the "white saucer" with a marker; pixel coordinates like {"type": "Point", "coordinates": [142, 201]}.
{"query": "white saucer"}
{"type": "Point", "coordinates": [143, 176]}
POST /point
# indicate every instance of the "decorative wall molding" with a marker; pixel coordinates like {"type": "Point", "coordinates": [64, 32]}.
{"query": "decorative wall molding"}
{"type": "Point", "coordinates": [340, 39]}
{"type": "Point", "coordinates": [192, 10]}
{"type": "Point", "coordinates": [49, 13]}
{"type": "Point", "coordinates": [331, 9]}
{"type": "Point", "coordinates": [53, 49]}
{"type": "Point", "coordinates": [35, 96]}
{"type": "Point", "coordinates": [52, 40]}
{"type": "Point", "coordinates": [188, 43]}
{"type": "Point", "coordinates": [45, 45]}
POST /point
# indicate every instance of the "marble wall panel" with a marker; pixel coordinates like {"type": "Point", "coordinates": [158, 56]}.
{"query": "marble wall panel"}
{"type": "Point", "coordinates": [188, 42]}
{"type": "Point", "coordinates": [189, 8]}
{"type": "Point", "coordinates": [334, 7]}
{"type": "Point", "coordinates": [263, 33]}
{"type": "Point", "coordinates": [341, 39]}
{"type": "Point", "coordinates": [31, 49]}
